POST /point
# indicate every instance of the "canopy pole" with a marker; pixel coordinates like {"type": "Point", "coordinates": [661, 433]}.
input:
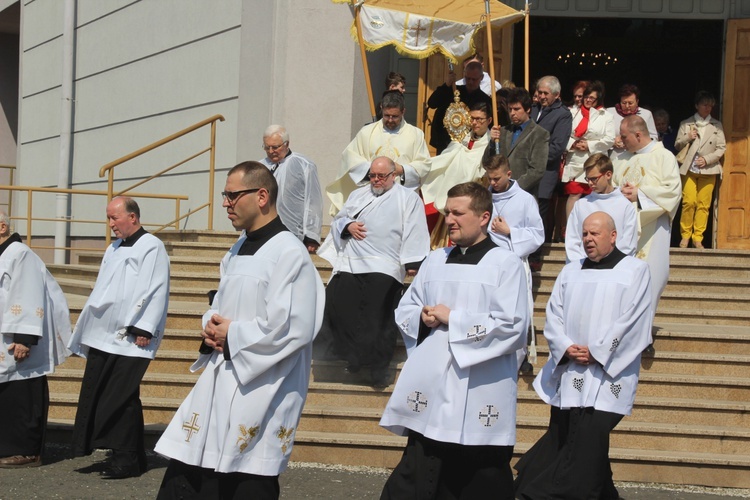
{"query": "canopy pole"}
{"type": "Point", "coordinates": [492, 71]}
{"type": "Point", "coordinates": [526, 47]}
{"type": "Point", "coordinates": [364, 62]}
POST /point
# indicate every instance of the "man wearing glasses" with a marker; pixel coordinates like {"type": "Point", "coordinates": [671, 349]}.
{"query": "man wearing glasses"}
{"type": "Point", "coordinates": [391, 137]}
{"type": "Point", "coordinates": [233, 434]}
{"type": "Point", "coordinates": [378, 238]}
{"type": "Point", "coordinates": [460, 162]}
{"type": "Point", "coordinates": [603, 198]}
{"type": "Point", "coordinates": [300, 204]}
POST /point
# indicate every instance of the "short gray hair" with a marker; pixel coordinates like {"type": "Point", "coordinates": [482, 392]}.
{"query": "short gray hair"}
{"type": "Point", "coordinates": [551, 82]}
{"type": "Point", "coordinates": [4, 219]}
{"type": "Point", "coordinates": [273, 130]}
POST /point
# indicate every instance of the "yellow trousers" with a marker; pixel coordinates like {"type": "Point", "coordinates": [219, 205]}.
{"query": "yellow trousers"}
{"type": "Point", "coordinates": [696, 200]}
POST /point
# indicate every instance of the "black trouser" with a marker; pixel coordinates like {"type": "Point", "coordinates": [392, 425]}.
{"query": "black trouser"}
{"type": "Point", "coordinates": [191, 483]}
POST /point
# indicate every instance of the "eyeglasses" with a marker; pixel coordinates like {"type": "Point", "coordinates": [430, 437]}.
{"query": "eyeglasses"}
{"type": "Point", "coordinates": [273, 148]}
{"type": "Point", "coordinates": [578, 96]}
{"type": "Point", "coordinates": [379, 176]}
{"type": "Point", "coordinates": [232, 196]}
{"type": "Point", "coordinates": [590, 98]}
{"type": "Point", "coordinates": [593, 180]}
{"type": "Point", "coordinates": [477, 119]}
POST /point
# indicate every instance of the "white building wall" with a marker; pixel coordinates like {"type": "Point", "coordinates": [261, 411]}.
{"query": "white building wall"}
{"type": "Point", "coordinates": [143, 70]}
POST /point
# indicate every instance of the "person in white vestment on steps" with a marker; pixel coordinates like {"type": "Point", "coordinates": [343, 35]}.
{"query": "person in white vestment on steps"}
{"type": "Point", "coordinates": [233, 434]}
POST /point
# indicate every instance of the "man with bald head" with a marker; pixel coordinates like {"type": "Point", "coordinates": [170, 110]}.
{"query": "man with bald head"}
{"type": "Point", "coordinates": [648, 175]}
{"type": "Point", "coordinates": [598, 323]}
{"type": "Point", "coordinates": [376, 239]}
{"type": "Point", "coordinates": [118, 332]}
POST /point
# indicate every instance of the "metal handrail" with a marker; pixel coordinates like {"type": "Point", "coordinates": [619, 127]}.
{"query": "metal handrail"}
{"type": "Point", "coordinates": [11, 170]}
{"type": "Point", "coordinates": [30, 190]}
{"type": "Point", "coordinates": [109, 168]}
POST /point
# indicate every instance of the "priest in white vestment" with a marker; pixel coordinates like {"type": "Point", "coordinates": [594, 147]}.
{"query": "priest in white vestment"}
{"type": "Point", "coordinates": [598, 323]}
{"type": "Point", "coordinates": [35, 328]}
{"type": "Point", "coordinates": [233, 434]}
{"type": "Point", "coordinates": [460, 162]}
{"type": "Point", "coordinates": [378, 238]}
{"type": "Point", "coordinates": [603, 198]}
{"type": "Point", "coordinates": [118, 332]}
{"type": "Point", "coordinates": [300, 203]}
{"type": "Point", "coordinates": [462, 320]}
{"type": "Point", "coordinates": [648, 175]}
{"type": "Point", "coordinates": [391, 137]}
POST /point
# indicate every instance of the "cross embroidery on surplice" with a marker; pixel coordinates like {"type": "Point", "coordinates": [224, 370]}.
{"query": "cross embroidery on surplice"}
{"type": "Point", "coordinates": [416, 401]}
{"type": "Point", "coordinates": [191, 427]}
{"type": "Point", "coordinates": [476, 332]}
{"type": "Point", "coordinates": [489, 415]}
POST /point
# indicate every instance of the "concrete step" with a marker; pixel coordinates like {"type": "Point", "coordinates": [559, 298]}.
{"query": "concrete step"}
{"type": "Point", "coordinates": [660, 466]}
{"type": "Point", "coordinates": [63, 406]}
{"type": "Point", "coordinates": [682, 337]}
{"type": "Point", "coordinates": [199, 235]}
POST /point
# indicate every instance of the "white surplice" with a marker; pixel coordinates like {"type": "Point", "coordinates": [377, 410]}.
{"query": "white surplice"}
{"type": "Point", "coordinates": [405, 145]}
{"type": "Point", "coordinates": [608, 310]}
{"type": "Point", "coordinates": [300, 203]}
{"type": "Point", "coordinates": [132, 289]}
{"type": "Point", "coordinates": [396, 233]}
{"type": "Point", "coordinates": [459, 384]}
{"type": "Point", "coordinates": [455, 165]}
{"type": "Point", "coordinates": [618, 207]}
{"type": "Point", "coordinates": [31, 303]}
{"type": "Point", "coordinates": [521, 212]}
{"type": "Point", "coordinates": [655, 172]}
{"type": "Point", "coordinates": [242, 414]}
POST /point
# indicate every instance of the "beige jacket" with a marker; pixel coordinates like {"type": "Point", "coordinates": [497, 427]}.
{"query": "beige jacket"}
{"type": "Point", "coordinates": [710, 144]}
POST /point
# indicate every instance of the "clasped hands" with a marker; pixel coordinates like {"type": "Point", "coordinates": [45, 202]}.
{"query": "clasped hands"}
{"type": "Point", "coordinates": [215, 333]}
{"type": "Point", "coordinates": [580, 354]}
{"type": "Point", "coordinates": [434, 316]}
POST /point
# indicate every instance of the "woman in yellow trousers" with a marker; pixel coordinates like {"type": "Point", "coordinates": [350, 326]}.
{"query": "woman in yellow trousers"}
{"type": "Point", "coordinates": [703, 136]}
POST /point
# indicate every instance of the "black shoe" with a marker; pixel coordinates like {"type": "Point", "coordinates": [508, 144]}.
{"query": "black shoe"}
{"type": "Point", "coordinates": [526, 368]}
{"type": "Point", "coordinates": [649, 351]}
{"type": "Point", "coordinates": [118, 472]}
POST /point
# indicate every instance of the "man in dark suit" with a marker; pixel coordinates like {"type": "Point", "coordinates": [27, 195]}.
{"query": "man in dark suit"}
{"type": "Point", "coordinates": [470, 94]}
{"type": "Point", "coordinates": [555, 118]}
{"type": "Point", "coordinates": [524, 143]}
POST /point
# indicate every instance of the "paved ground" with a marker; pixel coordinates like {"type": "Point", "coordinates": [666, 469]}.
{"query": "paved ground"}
{"type": "Point", "coordinates": [60, 477]}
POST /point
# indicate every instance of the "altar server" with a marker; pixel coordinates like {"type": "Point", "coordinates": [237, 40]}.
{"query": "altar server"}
{"type": "Point", "coordinates": [118, 332]}
{"type": "Point", "coordinates": [462, 320]}
{"type": "Point", "coordinates": [233, 434]}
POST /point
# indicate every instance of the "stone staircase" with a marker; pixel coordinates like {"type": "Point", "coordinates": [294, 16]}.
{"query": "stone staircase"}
{"type": "Point", "coordinates": [690, 424]}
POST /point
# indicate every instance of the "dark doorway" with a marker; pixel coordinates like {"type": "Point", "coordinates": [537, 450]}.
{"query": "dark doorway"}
{"type": "Point", "coordinates": [669, 60]}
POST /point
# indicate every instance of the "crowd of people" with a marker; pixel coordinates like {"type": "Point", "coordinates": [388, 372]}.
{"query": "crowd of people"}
{"type": "Point", "coordinates": [467, 225]}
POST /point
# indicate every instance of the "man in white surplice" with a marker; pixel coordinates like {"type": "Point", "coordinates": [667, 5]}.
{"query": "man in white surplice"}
{"type": "Point", "coordinates": [603, 198]}
{"type": "Point", "coordinates": [516, 226]}
{"type": "Point", "coordinates": [34, 330]}
{"type": "Point", "coordinates": [118, 332]}
{"type": "Point", "coordinates": [300, 204]}
{"type": "Point", "coordinates": [391, 137]}
{"type": "Point", "coordinates": [598, 323]}
{"type": "Point", "coordinates": [233, 434]}
{"type": "Point", "coordinates": [378, 238]}
{"type": "Point", "coordinates": [648, 175]}
{"type": "Point", "coordinates": [462, 320]}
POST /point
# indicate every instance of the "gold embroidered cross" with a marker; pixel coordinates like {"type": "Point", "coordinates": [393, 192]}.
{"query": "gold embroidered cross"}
{"type": "Point", "coordinates": [418, 29]}
{"type": "Point", "coordinates": [16, 310]}
{"type": "Point", "coordinates": [191, 427]}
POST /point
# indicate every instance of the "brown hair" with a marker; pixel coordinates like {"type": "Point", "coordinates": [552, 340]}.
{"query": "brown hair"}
{"type": "Point", "coordinates": [481, 199]}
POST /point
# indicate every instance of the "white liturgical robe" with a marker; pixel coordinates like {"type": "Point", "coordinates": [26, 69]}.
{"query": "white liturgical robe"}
{"type": "Point", "coordinates": [299, 203]}
{"type": "Point", "coordinates": [608, 310]}
{"type": "Point", "coordinates": [618, 207]}
{"type": "Point", "coordinates": [31, 303]}
{"type": "Point", "coordinates": [396, 233]}
{"type": "Point", "coordinates": [242, 414]}
{"type": "Point", "coordinates": [521, 212]}
{"type": "Point", "coordinates": [455, 165]}
{"type": "Point", "coordinates": [132, 289]}
{"type": "Point", "coordinates": [655, 172]}
{"type": "Point", "coordinates": [405, 146]}
{"type": "Point", "coordinates": [459, 384]}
